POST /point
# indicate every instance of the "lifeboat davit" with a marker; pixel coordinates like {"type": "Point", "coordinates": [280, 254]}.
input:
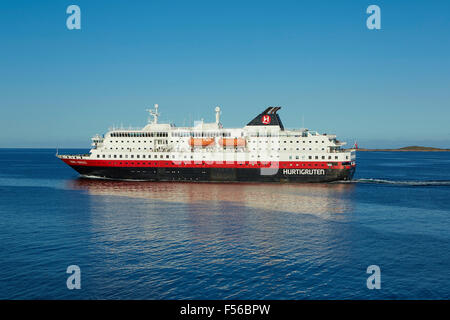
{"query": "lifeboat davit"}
{"type": "Point", "coordinates": [200, 142]}
{"type": "Point", "coordinates": [232, 142]}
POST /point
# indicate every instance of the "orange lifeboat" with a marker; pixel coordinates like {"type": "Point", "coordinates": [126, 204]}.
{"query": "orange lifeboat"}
{"type": "Point", "coordinates": [232, 142]}
{"type": "Point", "coordinates": [200, 142]}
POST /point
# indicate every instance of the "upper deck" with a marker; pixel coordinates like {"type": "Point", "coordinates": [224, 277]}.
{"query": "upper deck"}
{"type": "Point", "coordinates": [262, 139]}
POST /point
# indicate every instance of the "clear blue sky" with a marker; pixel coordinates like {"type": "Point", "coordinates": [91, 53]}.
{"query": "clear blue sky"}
{"type": "Point", "coordinates": [317, 59]}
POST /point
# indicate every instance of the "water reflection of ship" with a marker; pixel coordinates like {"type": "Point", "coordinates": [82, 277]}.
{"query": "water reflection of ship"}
{"type": "Point", "coordinates": [325, 200]}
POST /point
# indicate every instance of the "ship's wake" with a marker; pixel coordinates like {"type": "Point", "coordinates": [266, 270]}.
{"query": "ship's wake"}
{"type": "Point", "coordinates": [402, 182]}
{"type": "Point", "coordinates": [85, 176]}
{"type": "Point", "coordinates": [361, 180]}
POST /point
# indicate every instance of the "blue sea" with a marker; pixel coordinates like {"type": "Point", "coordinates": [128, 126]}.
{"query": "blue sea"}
{"type": "Point", "coordinates": [146, 240]}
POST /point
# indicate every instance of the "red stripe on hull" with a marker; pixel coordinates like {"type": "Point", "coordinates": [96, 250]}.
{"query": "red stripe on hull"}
{"type": "Point", "coordinates": [206, 164]}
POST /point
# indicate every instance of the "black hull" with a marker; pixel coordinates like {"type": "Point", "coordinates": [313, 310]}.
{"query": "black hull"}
{"type": "Point", "coordinates": [215, 174]}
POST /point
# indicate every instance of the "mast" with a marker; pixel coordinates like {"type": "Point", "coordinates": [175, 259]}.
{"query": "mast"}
{"type": "Point", "coordinates": [154, 113]}
{"type": "Point", "coordinates": [217, 115]}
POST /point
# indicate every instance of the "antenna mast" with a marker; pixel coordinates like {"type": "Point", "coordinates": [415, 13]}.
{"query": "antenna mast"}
{"type": "Point", "coordinates": [154, 113]}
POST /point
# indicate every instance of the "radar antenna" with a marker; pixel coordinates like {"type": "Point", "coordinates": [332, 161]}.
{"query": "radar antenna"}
{"type": "Point", "coordinates": [154, 113]}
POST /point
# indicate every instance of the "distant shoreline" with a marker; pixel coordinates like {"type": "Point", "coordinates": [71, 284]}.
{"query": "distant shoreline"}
{"type": "Point", "coordinates": [408, 149]}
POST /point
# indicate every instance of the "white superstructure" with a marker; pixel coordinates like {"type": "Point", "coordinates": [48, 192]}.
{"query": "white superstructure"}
{"type": "Point", "coordinates": [258, 143]}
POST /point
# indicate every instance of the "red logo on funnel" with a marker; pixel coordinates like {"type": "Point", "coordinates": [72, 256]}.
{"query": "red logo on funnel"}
{"type": "Point", "coordinates": [265, 119]}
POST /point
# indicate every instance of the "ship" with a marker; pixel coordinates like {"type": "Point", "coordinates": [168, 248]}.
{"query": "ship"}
{"type": "Point", "coordinates": [261, 151]}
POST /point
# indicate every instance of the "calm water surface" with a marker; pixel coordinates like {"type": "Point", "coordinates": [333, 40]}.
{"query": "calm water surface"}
{"type": "Point", "coordinates": [146, 240]}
